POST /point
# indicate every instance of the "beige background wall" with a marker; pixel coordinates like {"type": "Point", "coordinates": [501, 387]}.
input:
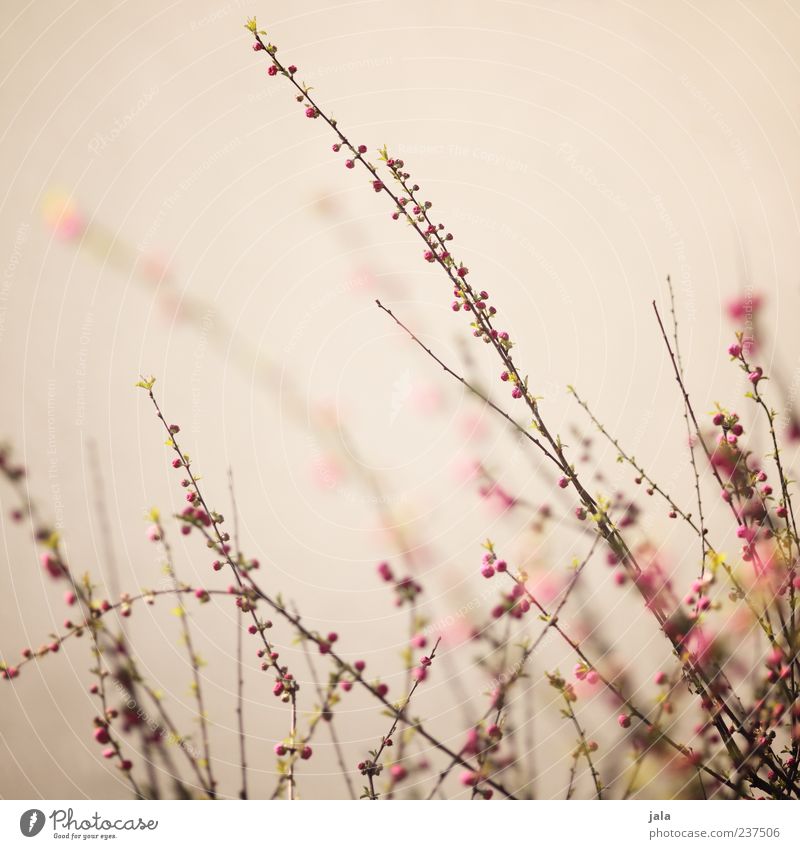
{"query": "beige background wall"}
{"type": "Point", "coordinates": [580, 151]}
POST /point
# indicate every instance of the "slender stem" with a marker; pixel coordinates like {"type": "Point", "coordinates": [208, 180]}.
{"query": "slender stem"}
{"type": "Point", "coordinates": [640, 757]}
{"type": "Point", "coordinates": [693, 671]}
{"type": "Point", "coordinates": [112, 569]}
{"type": "Point", "coordinates": [326, 714]}
{"type": "Point", "coordinates": [292, 736]}
{"type": "Point", "coordinates": [101, 674]}
{"type": "Point", "coordinates": [372, 767]}
{"type": "Point", "coordinates": [614, 688]}
{"type": "Point", "coordinates": [584, 746]}
{"type": "Point", "coordinates": [240, 705]}
{"type": "Point", "coordinates": [239, 649]}
{"type": "Point", "coordinates": [409, 663]}
{"type": "Point", "coordinates": [690, 436]}
{"type": "Point", "coordinates": [218, 541]}
{"type": "Point", "coordinates": [518, 427]}
{"type": "Point", "coordinates": [572, 771]}
{"type": "Point", "coordinates": [761, 617]}
{"type": "Point", "coordinates": [194, 661]}
{"type": "Point", "coordinates": [792, 536]}
{"type": "Point", "coordinates": [527, 653]}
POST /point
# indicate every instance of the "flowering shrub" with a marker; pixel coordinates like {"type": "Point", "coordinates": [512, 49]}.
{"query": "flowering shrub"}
{"type": "Point", "coordinates": [716, 726]}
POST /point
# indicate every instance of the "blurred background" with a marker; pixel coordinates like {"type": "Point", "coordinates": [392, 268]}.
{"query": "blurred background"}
{"type": "Point", "coordinates": [167, 209]}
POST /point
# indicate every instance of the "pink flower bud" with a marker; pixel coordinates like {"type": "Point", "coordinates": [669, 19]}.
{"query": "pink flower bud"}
{"type": "Point", "coordinates": [468, 778]}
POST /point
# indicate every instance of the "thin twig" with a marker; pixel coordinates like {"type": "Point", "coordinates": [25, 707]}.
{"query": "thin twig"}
{"type": "Point", "coordinates": [373, 766]}
{"type": "Point", "coordinates": [245, 582]}
{"type": "Point", "coordinates": [239, 649]}
{"type": "Point", "coordinates": [194, 660]}
{"type": "Point", "coordinates": [690, 436]}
